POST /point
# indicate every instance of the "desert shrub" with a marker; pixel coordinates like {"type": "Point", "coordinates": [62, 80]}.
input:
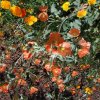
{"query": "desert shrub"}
{"type": "Point", "coordinates": [49, 49]}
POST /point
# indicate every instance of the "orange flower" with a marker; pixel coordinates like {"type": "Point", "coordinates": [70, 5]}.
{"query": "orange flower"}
{"type": "Point", "coordinates": [98, 80]}
{"type": "Point", "coordinates": [59, 81]}
{"type": "Point", "coordinates": [23, 12]}
{"type": "Point", "coordinates": [64, 49]}
{"type": "Point", "coordinates": [2, 68]}
{"type": "Point", "coordinates": [1, 34]}
{"type": "Point", "coordinates": [84, 44]}
{"type": "Point", "coordinates": [67, 69]}
{"type": "Point", "coordinates": [21, 82]}
{"type": "Point", "coordinates": [33, 90]}
{"type": "Point", "coordinates": [74, 32]}
{"type": "Point", "coordinates": [43, 8]}
{"type": "Point", "coordinates": [84, 67]}
{"type": "Point", "coordinates": [75, 73]}
{"type": "Point", "coordinates": [16, 11]}
{"type": "Point", "coordinates": [43, 16]}
{"type": "Point", "coordinates": [61, 87]}
{"type": "Point", "coordinates": [5, 4]}
{"type": "Point", "coordinates": [54, 41]}
{"type": "Point", "coordinates": [30, 20]}
{"type": "Point", "coordinates": [73, 91]}
{"type": "Point", "coordinates": [81, 13]}
{"type": "Point", "coordinates": [82, 53]}
{"type": "Point", "coordinates": [56, 71]}
{"type": "Point", "coordinates": [48, 67]}
{"type": "Point", "coordinates": [27, 55]}
{"type": "Point", "coordinates": [54, 79]}
{"type": "Point", "coordinates": [4, 88]}
{"type": "Point", "coordinates": [37, 61]}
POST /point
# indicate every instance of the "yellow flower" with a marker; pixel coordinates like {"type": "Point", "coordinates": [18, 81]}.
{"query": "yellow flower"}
{"type": "Point", "coordinates": [30, 20]}
{"type": "Point", "coordinates": [16, 11]}
{"type": "Point", "coordinates": [88, 90]}
{"type": "Point", "coordinates": [0, 14]}
{"type": "Point", "coordinates": [30, 10]}
{"type": "Point", "coordinates": [5, 4]}
{"type": "Point", "coordinates": [65, 6]}
{"type": "Point", "coordinates": [81, 13]}
{"type": "Point", "coordinates": [91, 2]}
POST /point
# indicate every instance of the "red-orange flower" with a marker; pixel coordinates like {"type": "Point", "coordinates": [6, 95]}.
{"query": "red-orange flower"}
{"type": "Point", "coordinates": [74, 32]}
{"type": "Point", "coordinates": [56, 71]}
{"type": "Point", "coordinates": [54, 79]}
{"type": "Point", "coordinates": [33, 90]}
{"type": "Point", "coordinates": [4, 88]}
{"type": "Point", "coordinates": [17, 11]}
{"type": "Point", "coordinates": [84, 67]}
{"type": "Point", "coordinates": [61, 87]}
{"type": "Point", "coordinates": [83, 52]}
{"type": "Point", "coordinates": [75, 73]}
{"type": "Point", "coordinates": [21, 82]}
{"type": "Point", "coordinates": [43, 16]}
{"type": "Point", "coordinates": [2, 68]}
{"type": "Point", "coordinates": [64, 49]}
{"type": "Point", "coordinates": [85, 47]}
{"type": "Point", "coordinates": [43, 8]}
{"type": "Point", "coordinates": [27, 55]}
{"type": "Point", "coordinates": [54, 41]}
{"type": "Point", "coordinates": [37, 61]}
{"type": "Point", "coordinates": [84, 44]}
{"type": "Point", "coordinates": [48, 67]}
{"type": "Point", "coordinates": [59, 81]}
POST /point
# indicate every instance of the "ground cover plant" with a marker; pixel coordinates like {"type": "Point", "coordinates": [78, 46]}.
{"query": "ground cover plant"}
{"type": "Point", "coordinates": [50, 49]}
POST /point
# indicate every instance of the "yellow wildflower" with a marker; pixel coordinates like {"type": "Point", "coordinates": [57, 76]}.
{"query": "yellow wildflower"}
{"type": "Point", "coordinates": [81, 13]}
{"type": "Point", "coordinates": [5, 4]}
{"type": "Point", "coordinates": [30, 10]}
{"type": "Point", "coordinates": [16, 11]}
{"type": "Point", "coordinates": [30, 20]}
{"type": "Point", "coordinates": [91, 2]}
{"type": "Point", "coordinates": [88, 90]}
{"type": "Point", "coordinates": [0, 14]}
{"type": "Point", "coordinates": [65, 6]}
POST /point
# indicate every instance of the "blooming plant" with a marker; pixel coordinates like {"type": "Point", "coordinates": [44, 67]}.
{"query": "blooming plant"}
{"type": "Point", "coordinates": [49, 49]}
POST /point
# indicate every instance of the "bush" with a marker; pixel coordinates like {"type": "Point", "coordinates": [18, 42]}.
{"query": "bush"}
{"type": "Point", "coordinates": [49, 49]}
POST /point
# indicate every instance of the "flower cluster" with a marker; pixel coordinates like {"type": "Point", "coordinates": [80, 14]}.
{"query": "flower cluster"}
{"type": "Point", "coordinates": [49, 49]}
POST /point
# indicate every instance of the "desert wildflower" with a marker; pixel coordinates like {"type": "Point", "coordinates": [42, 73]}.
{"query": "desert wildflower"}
{"type": "Point", "coordinates": [74, 32]}
{"type": "Point", "coordinates": [5, 4]}
{"type": "Point", "coordinates": [1, 34]}
{"type": "Point", "coordinates": [91, 2]}
{"type": "Point", "coordinates": [65, 6]}
{"type": "Point", "coordinates": [33, 90]}
{"type": "Point", "coordinates": [16, 11]}
{"type": "Point", "coordinates": [43, 16]}
{"type": "Point", "coordinates": [88, 90]}
{"type": "Point", "coordinates": [64, 49]}
{"type": "Point", "coordinates": [30, 20]}
{"type": "Point", "coordinates": [83, 52]}
{"type": "Point", "coordinates": [0, 14]}
{"type": "Point", "coordinates": [81, 13]}
{"type": "Point", "coordinates": [75, 73]}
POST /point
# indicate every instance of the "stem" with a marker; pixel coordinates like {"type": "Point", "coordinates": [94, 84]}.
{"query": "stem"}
{"type": "Point", "coordinates": [62, 24]}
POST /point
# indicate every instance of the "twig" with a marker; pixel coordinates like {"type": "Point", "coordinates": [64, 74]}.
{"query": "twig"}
{"type": "Point", "coordinates": [19, 59]}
